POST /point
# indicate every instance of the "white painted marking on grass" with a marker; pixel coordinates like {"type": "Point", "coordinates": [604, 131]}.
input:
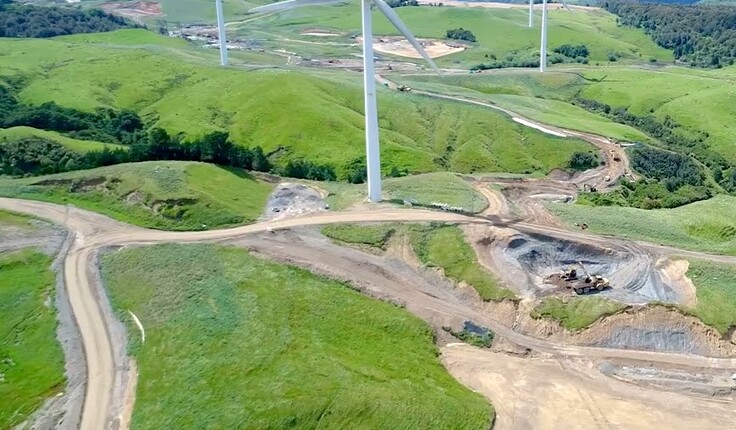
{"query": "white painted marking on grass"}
{"type": "Point", "coordinates": [538, 127]}
{"type": "Point", "coordinates": [140, 326]}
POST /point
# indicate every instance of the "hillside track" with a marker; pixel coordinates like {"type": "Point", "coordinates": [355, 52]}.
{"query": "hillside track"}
{"type": "Point", "coordinates": [603, 177]}
{"type": "Point", "coordinates": [94, 232]}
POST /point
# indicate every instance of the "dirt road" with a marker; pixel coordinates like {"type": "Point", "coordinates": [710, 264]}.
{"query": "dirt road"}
{"type": "Point", "coordinates": [94, 231]}
{"type": "Point", "coordinates": [616, 161]}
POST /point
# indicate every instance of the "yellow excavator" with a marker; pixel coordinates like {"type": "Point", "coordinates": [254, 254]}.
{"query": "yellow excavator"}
{"type": "Point", "coordinates": [590, 283]}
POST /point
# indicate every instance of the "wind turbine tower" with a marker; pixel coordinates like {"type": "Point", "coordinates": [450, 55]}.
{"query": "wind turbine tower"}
{"type": "Point", "coordinates": [372, 152]}
{"type": "Point", "coordinates": [543, 48]}
{"type": "Point", "coordinates": [221, 33]}
{"type": "Point", "coordinates": [531, 13]}
{"type": "Point", "coordinates": [372, 148]}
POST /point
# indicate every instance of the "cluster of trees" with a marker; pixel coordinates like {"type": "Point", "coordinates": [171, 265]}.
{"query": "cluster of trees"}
{"type": "Point", "coordinates": [461, 34]}
{"type": "Point", "coordinates": [583, 161]}
{"type": "Point", "coordinates": [702, 35]}
{"type": "Point", "coordinates": [104, 125]}
{"type": "Point", "coordinates": [401, 3]}
{"type": "Point", "coordinates": [676, 175]}
{"type": "Point", "coordinates": [39, 156]}
{"type": "Point", "coordinates": [674, 136]}
{"type": "Point", "coordinates": [530, 58]}
{"type": "Point", "coordinates": [512, 59]}
{"type": "Point", "coordinates": [673, 170]}
{"type": "Point", "coordinates": [572, 51]}
{"type": "Point", "coordinates": [17, 20]}
{"type": "Point", "coordinates": [649, 194]}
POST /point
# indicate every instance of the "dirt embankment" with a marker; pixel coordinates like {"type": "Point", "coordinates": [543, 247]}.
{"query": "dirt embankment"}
{"type": "Point", "coordinates": [550, 394]}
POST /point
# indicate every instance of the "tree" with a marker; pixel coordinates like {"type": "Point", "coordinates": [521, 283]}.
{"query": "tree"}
{"type": "Point", "coordinates": [583, 161]}
{"type": "Point", "coordinates": [461, 34]}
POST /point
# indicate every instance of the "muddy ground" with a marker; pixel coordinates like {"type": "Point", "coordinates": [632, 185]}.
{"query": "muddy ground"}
{"type": "Point", "coordinates": [291, 199]}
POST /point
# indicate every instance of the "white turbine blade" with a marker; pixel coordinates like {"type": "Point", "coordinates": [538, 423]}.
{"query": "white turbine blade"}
{"type": "Point", "coordinates": [396, 21]}
{"type": "Point", "coordinates": [291, 4]}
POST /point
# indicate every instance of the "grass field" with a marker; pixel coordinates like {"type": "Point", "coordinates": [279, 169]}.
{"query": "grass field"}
{"type": "Point", "coordinates": [445, 247]}
{"type": "Point", "coordinates": [576, 313]}
{"type": "Point", "coordinates": [318, 118]}
{"type": "Point", "coordinates": [31, 360]}
{"type": "Point", "coordinates": [419, 189]}
{"type": "Point", "coordinates": [499, 31]}
{"type": "Point", "coordinates": [83, 146]}
{"type": "Point", "coordinates": [163, 195]}
{"type": "Point", "coordinates": [708, 225]}
{"type": "Point", "coordinates": [507, 94]}
{"type": "Point", "coordinates": [260, 345]}
{"type": "Point", "coordinates": [699, 99]}
{"type": "Point", "coordinates": [14, 220]}
{"type": "Point", "coordinates": [372, 235]}
{"type": "Point", "coordinates": [715, 292]}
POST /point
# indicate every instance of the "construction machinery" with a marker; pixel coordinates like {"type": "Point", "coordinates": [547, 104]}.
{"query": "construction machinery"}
{"type": "Point", "coordinates": [590, 283]}
{"type": "Point", "coordinates": [572, 278]}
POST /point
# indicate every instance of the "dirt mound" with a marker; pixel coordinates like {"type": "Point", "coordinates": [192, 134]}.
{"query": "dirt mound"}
{"type": "Point", "coordinates": [290, 199]}
{"type": "Point", "coordinates": [395, 45]}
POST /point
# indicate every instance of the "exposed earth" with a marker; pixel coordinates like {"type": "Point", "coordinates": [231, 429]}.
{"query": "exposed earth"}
{"type": "Point", "coordinates": [396, 45]}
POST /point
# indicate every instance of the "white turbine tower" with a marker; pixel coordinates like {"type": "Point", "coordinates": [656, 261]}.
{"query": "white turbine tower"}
{"type": "Point", "coordinates": [222, 37]}
{"type": "Point", "coordinates": [543, 48]}
{"type": "Point", "coordinates": [531, 13]}
{"type": "Point", "coordinates": [373, 159]}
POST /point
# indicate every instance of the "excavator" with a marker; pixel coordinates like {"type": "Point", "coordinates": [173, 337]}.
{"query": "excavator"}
{"type": "Point", "coordinates": [584, 285]}
{"type": "Point", "coordinates": [590, 283]}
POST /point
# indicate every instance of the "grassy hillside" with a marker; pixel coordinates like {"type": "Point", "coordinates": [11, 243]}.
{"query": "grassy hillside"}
{"type": "Point", "coordinates": [715, 292]}
{"type": "Point", "coordinates": [16, 133]}
{"type": "Point", "coordinates": [527, 93]}
{"type": "Point", "coordinates": [291, 114]}
{"type": "Point", "coordinates": [499, 31]}
{"type": "Point", "coordinates": [576, 313]}
{"type": "Point", "coordinates": [445, 247]}
{"type": "Point", "coordinates": [31, 360]}
{"type": "Point", "coordinates": [165, 195]}
{"type": "Point", "coordinates": [703, 226]}
{"type": "Point", "coordinates": [702, 100]}
{"type": "Point", "coordinates": [261, 345]}
{"type": "Point", "coordinates": [441, 187]}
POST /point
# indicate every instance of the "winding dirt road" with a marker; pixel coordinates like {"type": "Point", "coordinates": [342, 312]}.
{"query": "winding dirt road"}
{"type": "Point", "coordinates": [93, 231]}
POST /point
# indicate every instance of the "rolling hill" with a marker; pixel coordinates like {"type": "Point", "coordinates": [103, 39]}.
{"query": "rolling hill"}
{"type": "Point", "coordinates": [289, 113]}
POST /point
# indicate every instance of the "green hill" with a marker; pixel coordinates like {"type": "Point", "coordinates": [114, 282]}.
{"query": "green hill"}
{"type": "Point", "coordinates": [166, 195]}
{"type": "Point", "coordinates": [16, 133]}
{"type": "Point", "coordinates": [293, 115]}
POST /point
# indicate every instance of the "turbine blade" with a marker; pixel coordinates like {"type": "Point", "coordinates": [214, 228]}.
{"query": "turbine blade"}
{"type": "Point", "coordinates": [396, 21]}
{"type": "Point", "coordinates": [291, 4]}
{"type": "Point", "coordinates": [565, 5]}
